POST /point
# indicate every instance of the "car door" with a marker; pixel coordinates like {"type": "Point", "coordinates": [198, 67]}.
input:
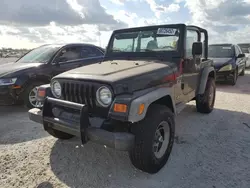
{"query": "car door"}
{"type": "Point", "coordinates": [67, 58]}
{"type": "Point", "coordinates": [239, 60]}
{"type": "Point", "coordinates": [191, 65]}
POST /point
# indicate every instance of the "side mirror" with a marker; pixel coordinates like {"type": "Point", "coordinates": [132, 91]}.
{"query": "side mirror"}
{"type": "Point", "coordinates": [241, 56]}
{"type": "Point", "coordinates": [197, 48]}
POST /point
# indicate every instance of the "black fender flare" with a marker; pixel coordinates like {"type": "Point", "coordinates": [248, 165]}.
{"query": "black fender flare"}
{"type": "Point", "coordinates": [206, 72]}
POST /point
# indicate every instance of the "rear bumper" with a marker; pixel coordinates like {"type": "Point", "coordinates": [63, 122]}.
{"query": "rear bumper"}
{"type": "Point", "coordinates": [77, 123]}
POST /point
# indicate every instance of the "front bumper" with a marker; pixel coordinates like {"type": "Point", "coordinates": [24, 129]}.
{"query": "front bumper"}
{"type": "Point", "coordinates": [224, 75]}
{"type": "Point", "coordinates": [74, 119]}
{"type": "Point", "coordinates": [8, 95]}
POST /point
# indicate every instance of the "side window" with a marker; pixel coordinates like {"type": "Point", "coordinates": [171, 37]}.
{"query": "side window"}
{"type": "Point", "coordinates": [69, 54]}
{"type": "Point", "coordinates": [240, 51]}
{"type": "Point", "coordinates": [87, 52]}
{"type": "Point", "coordinates": [237, 51]}
{"type": "Point", "coordinates": [124, 45]}
{"type": "Point", "coordinates": [192, 36]}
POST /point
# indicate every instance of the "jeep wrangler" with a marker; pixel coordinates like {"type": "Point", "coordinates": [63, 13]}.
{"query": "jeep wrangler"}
{"type": "Point", "coordinates": [147, 76]}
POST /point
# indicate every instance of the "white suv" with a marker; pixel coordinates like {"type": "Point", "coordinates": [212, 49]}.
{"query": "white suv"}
{"type": "Point", "coordinates": [245, 48]}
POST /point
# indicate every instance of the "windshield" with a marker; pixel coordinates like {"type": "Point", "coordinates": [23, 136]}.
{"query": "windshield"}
{"type": "Point", "coordinates": [217, 51]}
{"type": "Point", "coordinates": [245, 48]}
{"type": "Point", "coordinates": [159, 39]}
{"type": "Point", "coordinates": [39, 55]}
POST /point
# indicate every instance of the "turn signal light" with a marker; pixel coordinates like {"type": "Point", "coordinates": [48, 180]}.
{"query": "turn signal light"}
{"type": "Point", "coordinates": [41, 93]}
{"type": "Point", "coordinates": [120, 108]}
{"type": "Point", "coordinates": [141, 109]}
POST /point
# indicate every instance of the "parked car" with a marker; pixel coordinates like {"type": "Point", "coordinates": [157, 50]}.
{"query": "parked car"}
{"type": "Point", "coordinates": [245, 48]}
{"type": "Point", "coordinates": [19, 80]}
{"type": "Point", "coordinates": [229, 61]}
{"type": "Point", "coordinates": [147, 76]}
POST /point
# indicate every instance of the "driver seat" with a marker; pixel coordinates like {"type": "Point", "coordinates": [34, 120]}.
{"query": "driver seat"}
{"type": "Point", "coordinates": [152, 45]}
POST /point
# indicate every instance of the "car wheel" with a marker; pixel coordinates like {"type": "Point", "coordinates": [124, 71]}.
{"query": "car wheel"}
{"type": "Point", "coordinates": [30, 96]}
{"type": "Point", "coordinates": [59, 134]}
{"type": "Point", "coordinates": [243, 71]}
{"type": "Point", "coordinates": [235, 77]}
{"type": "Point", "coordinates": [205, 102]}
{"type": "Point", "coordinates": [154, 139]}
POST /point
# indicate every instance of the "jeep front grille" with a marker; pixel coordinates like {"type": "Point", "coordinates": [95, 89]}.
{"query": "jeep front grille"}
{"type": "Point", "coordinates": [83, 93]}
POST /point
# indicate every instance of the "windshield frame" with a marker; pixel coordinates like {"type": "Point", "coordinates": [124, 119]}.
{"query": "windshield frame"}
{"type": "Point", "coordinates": [32, 50]}
{"type": "Point", "coordinates": [168, 54]}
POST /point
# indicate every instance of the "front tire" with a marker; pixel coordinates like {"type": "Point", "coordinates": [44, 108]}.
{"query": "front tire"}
{"type": "Point", "coordinates": [154, 139]}
{"type": "Point", "coordinates": [243, 71]}
{"type": "Point", "coordinates": [59, 134]}
{"type": "Point", "coordinates": [235, 77]}
{"type": "Point", "coordinates": [30, 95]}
{"type": "Point", "coordinates": [205, 102]}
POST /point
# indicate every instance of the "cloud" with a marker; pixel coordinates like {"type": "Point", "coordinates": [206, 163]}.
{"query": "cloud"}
{"type": "Point", "coordinates": [118, 2]}
{"type": "Point", "coordinates": [64, 12]}
{"type": "Point", "coordinates": [224, 19]}
{"type": "Point", "coordinates": [158, 9]}
{"type": "Point", "coordinates": [50, 34]}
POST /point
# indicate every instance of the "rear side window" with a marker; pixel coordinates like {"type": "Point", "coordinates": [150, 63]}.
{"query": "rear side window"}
{"type": "Point", "coordinates": [88, 52]}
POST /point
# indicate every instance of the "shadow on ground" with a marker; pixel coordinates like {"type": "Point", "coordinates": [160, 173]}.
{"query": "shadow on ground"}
{"type": "Point", "coordinates": [45, 184]}
{"type": "Point", "coordinates": [16, 126]}
{"type": "Point", "coordinates": [210, 151]}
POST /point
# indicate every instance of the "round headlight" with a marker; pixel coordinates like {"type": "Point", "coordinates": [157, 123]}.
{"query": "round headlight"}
{"type": "Point", "coordinates": [56, 89]}
{"type": "Point", "coordinates": [104, 96]}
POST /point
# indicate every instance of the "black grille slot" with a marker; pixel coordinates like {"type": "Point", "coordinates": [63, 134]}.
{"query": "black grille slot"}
{"type": "Point", "coordinates": [83, 93]}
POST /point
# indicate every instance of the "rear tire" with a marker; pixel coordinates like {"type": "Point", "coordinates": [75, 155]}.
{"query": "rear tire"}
{"type": "Point", "coordinates": [153, 144]}
{"type": "Point", "coordinates": [59, 134]}
{"type": "Point", "coordinates": [205, 102]}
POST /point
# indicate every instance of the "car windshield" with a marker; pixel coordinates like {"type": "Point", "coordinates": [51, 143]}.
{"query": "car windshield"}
{"type": "Point", "coordinates": [159, 39]}
{"type": "Point", "coordinates": [39, 55]}
{"type": "Point", "coordinates": [245, 48]}
{"type": "Point", "coordinates": [220, 51]}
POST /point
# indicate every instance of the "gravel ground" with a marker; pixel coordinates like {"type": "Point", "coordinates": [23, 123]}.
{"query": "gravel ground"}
{"type": "Point", "coordinates": [210, 151]}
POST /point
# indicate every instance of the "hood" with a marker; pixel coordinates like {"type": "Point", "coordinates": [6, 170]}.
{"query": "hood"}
{"type": "Point", "coordinates": [10, 68]}
{"type": "Point", "coordinates": [130, 72]}
{"type": "Point", "coordinates": [219, 62]}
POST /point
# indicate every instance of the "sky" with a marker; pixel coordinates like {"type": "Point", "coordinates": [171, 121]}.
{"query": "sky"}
{"type": "Point", "coordinates": [31, 23]}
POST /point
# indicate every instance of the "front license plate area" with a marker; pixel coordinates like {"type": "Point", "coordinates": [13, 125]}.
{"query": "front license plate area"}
{"type": "Point", "coordinates": [64, 113]}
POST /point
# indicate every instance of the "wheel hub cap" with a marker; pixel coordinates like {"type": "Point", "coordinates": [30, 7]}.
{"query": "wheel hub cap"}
{"type": "Point", "coordinates": [211, 96]}
{"type": "Point", "coordinates": [32, 98]}
{"type": "Point", "coordinates": [161, 140]}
